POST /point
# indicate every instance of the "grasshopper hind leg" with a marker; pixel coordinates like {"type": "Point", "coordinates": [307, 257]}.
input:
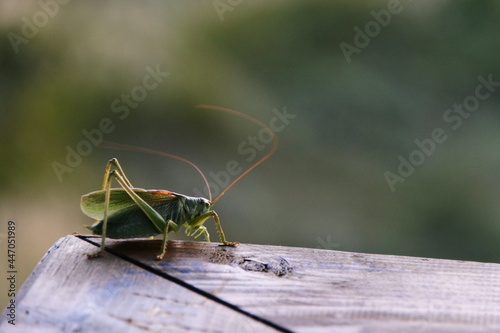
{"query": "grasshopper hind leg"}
{"type": "Point", "coordinates": [114, 170]}
{"type": "Point", "coordinates": [106, 185]}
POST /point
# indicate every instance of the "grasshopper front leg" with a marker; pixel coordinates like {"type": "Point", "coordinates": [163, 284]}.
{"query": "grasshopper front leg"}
{"type": "Point", "coordinates": [200, 220]}
{"type": "Point", "coordinates": [197, 232]}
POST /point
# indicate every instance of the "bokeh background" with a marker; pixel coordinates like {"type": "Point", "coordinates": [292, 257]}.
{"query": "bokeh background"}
{"type": "Point", "coordinates": [63, 66]}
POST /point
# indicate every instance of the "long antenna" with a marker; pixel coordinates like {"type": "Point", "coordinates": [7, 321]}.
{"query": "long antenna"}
{"type": "Point", "coordinates": [120, 146]}
{"type": "Point", "coordinates": [258, 122]}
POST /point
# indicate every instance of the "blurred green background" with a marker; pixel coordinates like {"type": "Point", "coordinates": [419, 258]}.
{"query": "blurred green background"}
{"type": "Point", "coordinates": [66, 67]}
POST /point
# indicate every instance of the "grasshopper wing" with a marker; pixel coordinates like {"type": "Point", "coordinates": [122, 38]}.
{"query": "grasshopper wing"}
{"type": "Point", "coordinates": [92, 204]}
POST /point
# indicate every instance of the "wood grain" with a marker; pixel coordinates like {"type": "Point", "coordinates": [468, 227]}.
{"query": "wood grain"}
{"type": "Point", "coordinates": [204, 287]}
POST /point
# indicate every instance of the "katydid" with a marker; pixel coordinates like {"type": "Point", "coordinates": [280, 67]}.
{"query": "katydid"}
{"type": "Point", "coordinates": [130, 212]}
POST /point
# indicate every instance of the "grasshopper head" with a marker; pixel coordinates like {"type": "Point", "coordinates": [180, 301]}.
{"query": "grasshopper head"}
{"type": "Point", "coordinates": [195, 207]}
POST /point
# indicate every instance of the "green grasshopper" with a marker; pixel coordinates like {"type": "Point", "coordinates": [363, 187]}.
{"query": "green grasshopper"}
{"type": "Point", "coordinates": [130, 212]}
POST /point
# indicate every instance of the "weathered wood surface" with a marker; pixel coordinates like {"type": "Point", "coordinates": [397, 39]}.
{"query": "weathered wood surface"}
{"type": "Point", "coordinates": [203, 287]}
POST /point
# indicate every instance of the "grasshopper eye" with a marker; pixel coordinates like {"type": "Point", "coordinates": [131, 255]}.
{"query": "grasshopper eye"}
{"type": "Point", "coordinates": [208, 204]}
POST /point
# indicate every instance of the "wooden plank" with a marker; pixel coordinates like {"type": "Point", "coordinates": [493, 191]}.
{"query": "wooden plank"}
{"type": "Point", "coordinates": [69, 293]}
{"type": "Point", "coordinates": [301, 290]}
{"type": "Point", "coordinates": [313, 290]}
